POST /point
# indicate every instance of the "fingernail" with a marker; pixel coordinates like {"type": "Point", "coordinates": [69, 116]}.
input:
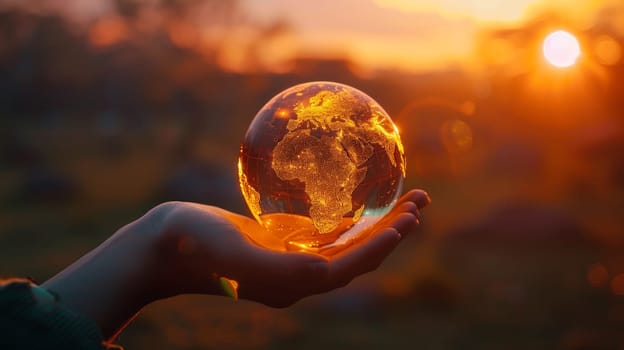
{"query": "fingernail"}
{"type": "Point", "coordinates": [411, 207]}
{"type": "Point", "coordinates": [423, 201]}
{"type": "Point", "coordinates": [417, 214]}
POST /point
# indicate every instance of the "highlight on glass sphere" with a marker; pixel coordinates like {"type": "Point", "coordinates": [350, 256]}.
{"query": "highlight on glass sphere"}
{"type": "Point", "coordinates": [320, 163]}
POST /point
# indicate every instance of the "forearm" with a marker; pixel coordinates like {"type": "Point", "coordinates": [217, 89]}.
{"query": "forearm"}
{"type": "Point", "coordinates": [113, 282]}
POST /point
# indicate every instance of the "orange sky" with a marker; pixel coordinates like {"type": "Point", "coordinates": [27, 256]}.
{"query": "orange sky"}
{"type": "Point", "coordinates": [404, 34]}
{"type": "Point", "coordinates": [410, 35]}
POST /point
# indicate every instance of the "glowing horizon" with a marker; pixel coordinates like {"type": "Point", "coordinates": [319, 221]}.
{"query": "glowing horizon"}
{"type": "Point", "coordinates": [490, 10]}
{"type": "Point", "coordinates": [406, 34]}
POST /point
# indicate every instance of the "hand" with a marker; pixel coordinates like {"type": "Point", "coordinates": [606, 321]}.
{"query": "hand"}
{"type": "Point", "coordinates": [179, 248]}
{"type": "Point", "coordinates": [202, 242]}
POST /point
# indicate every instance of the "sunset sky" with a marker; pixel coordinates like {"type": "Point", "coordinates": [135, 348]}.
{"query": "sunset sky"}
{"type": "Point", "coordinates": [408, 34]}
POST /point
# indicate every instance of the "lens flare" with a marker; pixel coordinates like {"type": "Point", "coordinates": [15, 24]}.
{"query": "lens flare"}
{"type": "Point", "coordinates": [561, 49]}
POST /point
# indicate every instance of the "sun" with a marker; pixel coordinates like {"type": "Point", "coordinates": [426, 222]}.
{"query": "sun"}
{"type": "Point", "coordinates": [561, 49]}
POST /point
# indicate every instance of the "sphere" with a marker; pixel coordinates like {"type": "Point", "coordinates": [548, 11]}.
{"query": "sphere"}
{"type": "Point", "coordinates": [320, 163]}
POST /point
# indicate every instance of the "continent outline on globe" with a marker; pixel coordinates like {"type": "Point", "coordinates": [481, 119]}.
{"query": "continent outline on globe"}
{"type": "Point", "coordinates": [319, 142]}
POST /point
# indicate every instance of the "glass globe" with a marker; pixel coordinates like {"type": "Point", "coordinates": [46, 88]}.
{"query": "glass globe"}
{"type": "Point", "coordinates": [320, 163]}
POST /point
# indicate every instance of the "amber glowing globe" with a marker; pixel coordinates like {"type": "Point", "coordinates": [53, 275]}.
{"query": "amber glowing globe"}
{"type": "Point", "coordinates": [320, 163]}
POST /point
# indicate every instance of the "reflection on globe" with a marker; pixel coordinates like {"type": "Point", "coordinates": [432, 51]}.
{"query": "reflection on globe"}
{"type": "Point", "coordinates": [320, 163]}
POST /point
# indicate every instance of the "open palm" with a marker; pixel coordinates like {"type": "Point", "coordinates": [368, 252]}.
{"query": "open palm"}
{"type": "Point", "coordinates": [204, 243]}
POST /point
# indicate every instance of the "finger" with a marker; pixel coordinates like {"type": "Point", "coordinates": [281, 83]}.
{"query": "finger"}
{"type": "Point", "coordinates": [419, 197]}
{"type": "Point", "coordinates": [405, 207]}
{"type": "Point", "coordinates": [403, 223]}
{"type": "Point", "coordinates": [361, 258]}
{"type": "Point", "coordinates": [279, 279]}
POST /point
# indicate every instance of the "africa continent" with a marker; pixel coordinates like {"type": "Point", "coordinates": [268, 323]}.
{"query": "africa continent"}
{"type": "Point", "coordinates": [326, 148]}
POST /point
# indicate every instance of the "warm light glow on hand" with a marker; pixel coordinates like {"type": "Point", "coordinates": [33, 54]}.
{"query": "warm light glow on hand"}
{"type": "Point", "coordinates": [561, 49]}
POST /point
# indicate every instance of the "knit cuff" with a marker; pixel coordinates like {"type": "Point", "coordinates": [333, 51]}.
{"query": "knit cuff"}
{"type": "Point", "coordinates": [32, 317]}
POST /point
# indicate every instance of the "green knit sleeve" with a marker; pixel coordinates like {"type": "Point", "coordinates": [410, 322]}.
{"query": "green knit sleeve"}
{"type": "Point", "coordinates": [33, 318]}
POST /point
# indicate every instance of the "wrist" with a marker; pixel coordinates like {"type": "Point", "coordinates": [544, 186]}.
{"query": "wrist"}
{"type": "Point", "coordinates": [178, 263]}
{"type": "Point", "coordinates": [114, 281]}
{"type": "Point", "coordinates": [155, 238]}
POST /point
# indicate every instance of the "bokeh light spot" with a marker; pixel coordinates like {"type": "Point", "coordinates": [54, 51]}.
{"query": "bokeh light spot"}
{"type": "Point", "coordinates": [617, 284]}
{"type": "Point", "coordinates": [456, 136]}
{"type": "Point", "coordinates": [597, 275]}
{"type": "Point", "coordinates": [468, 107]}
{"type": "Point", "coordinates": [108, 31]}
{"type": "Point", "coordinates": [395, 285]}
{"type": "Point", "coordinates": [561, 49]}
{"type": "Point", "coordinates": [607, 50]}
{"type": "Point", "coordinates": [183, 35]}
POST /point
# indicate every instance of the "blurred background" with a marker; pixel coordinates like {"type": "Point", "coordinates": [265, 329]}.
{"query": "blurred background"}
{"type": "Point", "coordinates": [511, 113]}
